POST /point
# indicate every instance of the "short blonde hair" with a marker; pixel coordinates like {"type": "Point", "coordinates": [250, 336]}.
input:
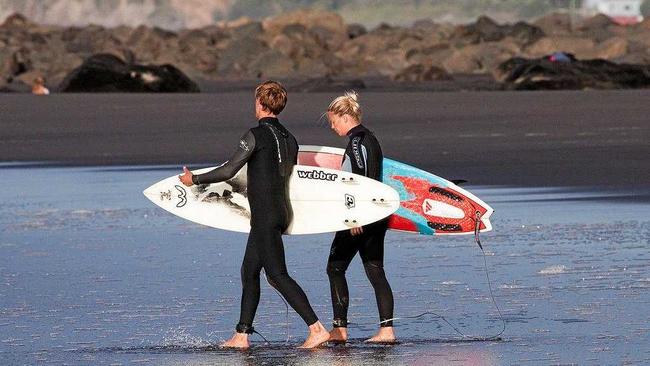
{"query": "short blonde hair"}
{"type": "Point", "coordinates": [347, 104]}
{"type": "Point", "coordinates": [272, 96]}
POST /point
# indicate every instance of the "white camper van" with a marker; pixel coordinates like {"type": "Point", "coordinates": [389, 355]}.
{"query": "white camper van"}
{"type": "Point", "coordinates": [622, 11]}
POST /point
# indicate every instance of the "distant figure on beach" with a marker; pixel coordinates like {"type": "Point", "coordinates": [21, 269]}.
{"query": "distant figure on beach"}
{"type": "Point", "coordinates": [271, 152]}
{"type": "Point", "coordinates": [363, 156]}
{"type": "Point", "coordinates": [38, 87]}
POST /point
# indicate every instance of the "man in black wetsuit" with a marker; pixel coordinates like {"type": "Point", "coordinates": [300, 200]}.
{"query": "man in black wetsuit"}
{"type": "Point", "coordinates": [363, 156]}
{"type": "Point", "coordinates": [271, 151]}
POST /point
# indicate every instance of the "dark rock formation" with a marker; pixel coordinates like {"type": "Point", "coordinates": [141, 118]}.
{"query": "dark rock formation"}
{"type": "Point", "coordinates": [108, 73]}
{"type": "Point", "coordinates": [16, 20]}
{"type": "Point", "coordinates": [487, 30]}
{"type": "Point", "coordinates": [356, 30]}
{"type": "Point", "coordinates": [543, 73]}
{"type": "Point", "coordinates": [313, 45]}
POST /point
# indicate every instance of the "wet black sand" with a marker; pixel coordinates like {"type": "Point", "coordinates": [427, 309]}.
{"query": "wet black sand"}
{"type": "Point", "coordinates": [95, 274]}
{"type": "Point", "coordinates": [586, 138]}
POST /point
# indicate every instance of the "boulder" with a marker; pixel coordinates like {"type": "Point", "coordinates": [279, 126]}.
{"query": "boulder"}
{"type": "Point", "coordinates": [271, 64]}
{"type": "Point", "coordinates": [480, 58]}
{"type": "Point", "coordinates": [389, 62]}
{"type": "Point", "coordinates": [462, 61]}
{"type": "Point", "coordinates": [432, 55]}
{"type": "Point", "coordinates": [325, 38]}
{"type": "Point", "coordinates": [638, 58]}
{"type": "Point", "coordinates": [316, 43]}
{"type": "Point", "coordinates": [554, 24]}
{"type": "Point", "coordinates": [194, 39]}
{"type": "Point", "coordinates": [90, 40]}
{"type": "Point", "coordinates": [17, 20]}
{"type": "Point", "coordinates": [356, 30]}
{"type": "Point", "coordinates": [360, 56]}
{"type": "Point", "coordinates": [14, 63]}
{"type": "Point", "coordinates": [599, 27]}
{"type": "Point", "coordinates": [198, 51]}
{"type": "Point", "coordinates": [640, 38]}
{"type": "Point", "coordinates": [524, 32]}
{"type": "Point", "coordinates": [14, 87]}
{"type": "Point", "coordinates": [535, 74]}
{"type": "Point", "coordinates": [238, 54]}
{"type": "Point", "coordinates": [425, 24]}
{"type": "Point", "coordinates": [330, 22]}
{"type": "Point", "coordinates": [308, 18]}
{"type": "Point", "coordinates": [247, 31]}
{"type": "Point", "coordinates": [487, 30]}
{"type": "Point", "coordinates": [122, 33]}
{"type": "Point", "coordinates": [151, 44]}
{"type": "Point", "coordinates": [419, 73]}
{"type": "Point", "coordinates": [581, 47]}
{"type": "Point", "coordinates": [103, 73]}
{"type": "Point", "coordinates": [236, 23]}
{"type": "Point", "coordinates": [28, 77]}
{"type": "Point", "coordinates": [597, 22]}
{"type": "Point", "coordinates": [311, 68]}
{"type": "Point", "coordinates": [612, 48]}
{"type": "Point", "coordinates": [283, 44]}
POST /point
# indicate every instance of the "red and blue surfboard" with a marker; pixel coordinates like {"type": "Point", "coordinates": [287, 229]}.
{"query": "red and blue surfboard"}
{"type": "Point", "coordinates": [429, 205]}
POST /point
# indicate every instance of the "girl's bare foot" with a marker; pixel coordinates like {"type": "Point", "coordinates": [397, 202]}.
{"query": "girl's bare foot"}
{"type": "Point", "coordinates": [238, 340]}
{"type": "Point", "coordinates": [384, 335]}
{"type": "Point", "coordinates": [339, 335]}
{"type": "Point", "coordinates": [317, 336]}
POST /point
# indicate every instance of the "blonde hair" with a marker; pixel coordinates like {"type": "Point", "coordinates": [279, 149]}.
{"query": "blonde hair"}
{"type": "Point", "coordinates": [347, 103]}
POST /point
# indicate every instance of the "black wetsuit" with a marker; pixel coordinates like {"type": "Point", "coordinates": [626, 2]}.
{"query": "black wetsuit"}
{"type": "Point", "coordinates": [363, 156]}
{"type": "Point", "coordinates": [271, 151]}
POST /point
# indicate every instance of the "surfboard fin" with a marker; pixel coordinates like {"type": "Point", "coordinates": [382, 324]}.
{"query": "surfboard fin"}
{"type": "Point", "coordinates": [458, 181]}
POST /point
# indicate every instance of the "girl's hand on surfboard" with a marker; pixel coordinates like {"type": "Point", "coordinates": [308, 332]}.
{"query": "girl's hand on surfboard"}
{"type": "Point", "coordinates": [186, 178]}
{"type": "Point", "coordinates": [356, 230]}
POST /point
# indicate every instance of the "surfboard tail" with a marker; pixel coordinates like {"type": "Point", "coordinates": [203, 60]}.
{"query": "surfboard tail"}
{"type": "Point", "coordinates": [429, 204]}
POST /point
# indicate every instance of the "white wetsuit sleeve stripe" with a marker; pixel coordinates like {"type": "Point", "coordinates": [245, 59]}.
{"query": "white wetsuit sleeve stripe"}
{"type": "Point", "coordinates": [364, 155]}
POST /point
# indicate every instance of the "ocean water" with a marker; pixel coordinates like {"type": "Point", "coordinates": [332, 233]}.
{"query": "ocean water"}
{"type": "Point", "coordinates": [91, 272]}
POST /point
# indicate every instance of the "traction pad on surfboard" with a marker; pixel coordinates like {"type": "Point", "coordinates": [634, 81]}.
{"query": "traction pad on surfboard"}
{"type": "Point", "coordinates": [441, 226]}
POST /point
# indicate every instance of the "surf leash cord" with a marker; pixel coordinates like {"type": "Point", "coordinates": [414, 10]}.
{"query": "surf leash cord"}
{"type": "Point", "coordinates": [495, 337]}
{"type": "Point", "coordinates": [286, 305]}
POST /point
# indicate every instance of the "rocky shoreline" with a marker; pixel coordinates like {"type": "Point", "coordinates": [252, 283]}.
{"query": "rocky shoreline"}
{"type": "Point", "coordinates": [315, 50]}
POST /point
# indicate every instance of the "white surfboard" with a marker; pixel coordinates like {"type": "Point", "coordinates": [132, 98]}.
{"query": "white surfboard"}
{"type": "Point", "coordinates": [322, 200]}
{"type": "Point", "coordinates": [430, 205]}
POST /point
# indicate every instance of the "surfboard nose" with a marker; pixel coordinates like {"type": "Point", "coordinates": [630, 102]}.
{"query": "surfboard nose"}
{"type": "Point", "coordinates": [151, 192]}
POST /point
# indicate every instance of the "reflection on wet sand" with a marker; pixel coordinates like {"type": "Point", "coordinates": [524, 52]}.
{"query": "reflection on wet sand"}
{"type": "Point", "coordinates": [94, 274]}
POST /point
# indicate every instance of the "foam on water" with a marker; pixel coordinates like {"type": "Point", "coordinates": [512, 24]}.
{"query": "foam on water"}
{"type": "Point", "coordinates": [553, 270]}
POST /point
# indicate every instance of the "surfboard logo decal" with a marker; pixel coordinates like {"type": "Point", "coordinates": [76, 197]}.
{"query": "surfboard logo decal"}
{"type": "Point", "coordinates": [166, 195]}
{"type": "Point", "coordinates": [441, 209]}
{"type": "Point", "coordinates": [356, 152]}
{"type": "Point", "coordinates": [243, 145]}
{"type": "Point", "coordinates": [182, 195]}
{"type": "Point", "coordinates": [349, 201]}
{"type": "Point", "coordinates": [317, 174]}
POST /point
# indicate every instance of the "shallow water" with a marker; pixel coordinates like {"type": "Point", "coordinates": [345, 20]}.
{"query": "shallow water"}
{"type": "Point", "coordinates": [93, 273]}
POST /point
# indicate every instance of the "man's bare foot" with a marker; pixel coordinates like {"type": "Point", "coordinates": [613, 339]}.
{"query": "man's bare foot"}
{"type": "Point", "coordinates": [384, 335]}
{"type": "Point", "coordinates": [317, 336]}
{"type": "Point", "coordinates": [338, 335]}
{"type": "Point", "coordinates": [238, 340]}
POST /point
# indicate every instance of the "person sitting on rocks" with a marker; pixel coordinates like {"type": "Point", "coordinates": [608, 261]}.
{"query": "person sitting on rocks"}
{"type": "Point", "coordinates": [38, 87]}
